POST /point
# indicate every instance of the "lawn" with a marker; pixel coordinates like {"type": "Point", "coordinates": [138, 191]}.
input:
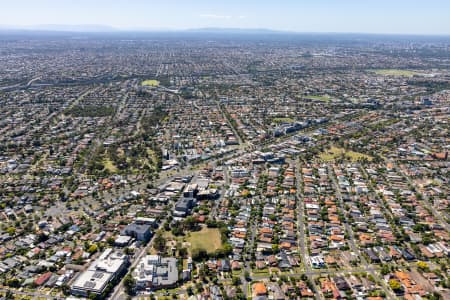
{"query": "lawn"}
{"type": "Point", "coordinates": [395, 72]}
{"type": "Point", "coordinates": [207, 238]}
{"type": "Point", "coordinates": [335, 152]}
{"type": "Point", "coordinates": [108, 164]}
{"type": "Point", "coordinates": [260, 273]}
{"type": "Point", "coordinates": [283, 120]}
{"type": "Point", "coordinates": [150, 82]}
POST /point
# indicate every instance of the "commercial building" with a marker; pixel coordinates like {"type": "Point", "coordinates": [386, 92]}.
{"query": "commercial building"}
{"type": "Point", "coordinates": [109, 266]}
{"type": "Point", "coordinates": [141, 232]}
{"type": "Point", "coordinates": [154, 271]}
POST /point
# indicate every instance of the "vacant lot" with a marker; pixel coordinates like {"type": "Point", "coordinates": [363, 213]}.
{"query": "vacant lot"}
{"type": "Point", "coordinates": [207, 238]}
{"type": "Point", "coordinates": [150, 82]}
{"type": "Point", "coordinates": [335, 152]}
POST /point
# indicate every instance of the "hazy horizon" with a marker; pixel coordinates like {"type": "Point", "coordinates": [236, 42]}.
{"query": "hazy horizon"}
{"type": "Point", "coordinates": [412, 17]}
{"type": "Point", "coordinates": [106, 29]}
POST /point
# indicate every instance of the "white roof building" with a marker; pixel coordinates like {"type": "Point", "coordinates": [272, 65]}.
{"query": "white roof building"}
{"type": "Point", "coordinates": [95, 279]}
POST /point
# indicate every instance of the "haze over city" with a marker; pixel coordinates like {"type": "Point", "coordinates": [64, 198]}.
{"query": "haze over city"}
{"type": "Point", "coordinates": [381, 16]}
{"type": "Point", "coordinates": [224, 150]}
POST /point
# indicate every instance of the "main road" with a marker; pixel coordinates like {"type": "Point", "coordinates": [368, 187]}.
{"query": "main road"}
{"type": "Point", "coordinates": [301, 229]}
{"type": "Point", "coordinates": [119, 291]}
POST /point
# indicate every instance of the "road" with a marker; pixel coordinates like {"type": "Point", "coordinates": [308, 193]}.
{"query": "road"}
{"type": "Point", "coordinates": [20, 85]}
{"type": "Point", "coordinates": [351, 240]}
{"type": "Point", "coordinates": [425, 201]}
{"type": "Point", "coordinates": [301, 229]}
{"type": "Point", "coordinates": [375, 195]}
{"type": "Point", "coordinates": [320, 272]}
{"type": "Point", "coordinates": [236, 134]}
{"type": "Point", "coordinates": [250, 246]}
{"type": "Point", "coordinates": [33, 80]}
{"type": "Point", "coordinates": [226, 182]}
{"type": "Point", "coordinates": [83, 94]}
{"type": "Point", "coordinates": [119, 290]}
{"type": "Point", "coordinates": [32, 294]}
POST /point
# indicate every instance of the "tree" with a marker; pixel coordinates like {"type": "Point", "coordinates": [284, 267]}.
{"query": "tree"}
{"type": "Point", "coordinates": [86, 245]}
{"type": "Point", "coordinates": [227, 248]}
{"type": "Point", "coordinates": [199, 254]}
{"type": "Point", "coordinates": [110, 241]}
{"type": "Point", "coordinates": [159, 243]}
{"type": "Point", "coordinates": [211, 223]}
{"type": "Point", "coordinates": [65, 289]}
{"type": "Point", "coordinates": [129, 284]}
{"type": "Point", "coordinates": [11, 231]}
{"type": "Point", "coordinates": [236, 281]}
{"type": "Point", "coordinates": [394, 285]}
{"type": "Point", "coordinates": [189, 291]}
{"type": "Point", "coordinates": [13, 282]}
{"type": "Point", "coordinates": [190, 223]}
{"type": "Point", "coordinates": [247, 276]}
{"type": "Point", "coordinates": [199, 287]}
{"type": "Point", "coordinates": [9, 295]}
{"type": "Point", "coordinates": [275, 248]}
{"type": "Point", "coordinates": [92, 248]}
{"type": "Point", "coordinates": [435, 296]}
{"type": "Point", "coordinates": [423, 266]}
{"type": "Point", "coordinates": [128, 251]}
{"type": "Point", "coordinates": [177, 229]}
{"type": "Point", "coordinates": [385, 269]}
{"type": "Point", "coordinates": [183, 252]}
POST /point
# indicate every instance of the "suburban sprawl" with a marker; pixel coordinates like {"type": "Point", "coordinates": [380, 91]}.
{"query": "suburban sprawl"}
{"type": "Point", "coordinates": [224, 166]}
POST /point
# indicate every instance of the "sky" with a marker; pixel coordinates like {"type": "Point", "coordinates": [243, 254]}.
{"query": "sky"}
{"type": "Point", "coordinates": [362, 16]}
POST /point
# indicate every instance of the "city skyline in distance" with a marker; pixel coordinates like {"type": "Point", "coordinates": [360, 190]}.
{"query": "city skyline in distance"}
{"type": "Point", "coordinates": [323, 16]}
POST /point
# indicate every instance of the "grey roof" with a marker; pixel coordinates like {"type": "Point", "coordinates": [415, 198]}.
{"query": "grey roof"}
{"type": "Point", "coordinates": [138, 228]}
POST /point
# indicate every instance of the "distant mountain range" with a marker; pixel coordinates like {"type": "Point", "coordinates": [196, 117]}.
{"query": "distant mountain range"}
{"type": "Point", "coordinates": [63, 28]}
{"type": "Point", "coordinates": [106, 28]}
{"type": "Point", "coordinates": [238, 30]}
{"type": "Point", "coordinates": [53, 29]}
